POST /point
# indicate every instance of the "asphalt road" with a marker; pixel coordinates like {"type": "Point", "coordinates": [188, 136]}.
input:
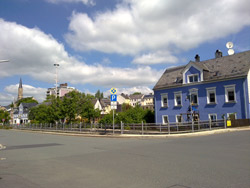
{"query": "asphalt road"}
{"type": "Point", "coordinates": [35, 160]}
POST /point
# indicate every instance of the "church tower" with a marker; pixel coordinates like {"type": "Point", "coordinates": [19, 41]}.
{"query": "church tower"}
{"type": "Point", "coordinates": [20, 90]}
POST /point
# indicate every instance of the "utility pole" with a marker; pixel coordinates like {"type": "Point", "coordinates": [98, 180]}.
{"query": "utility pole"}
{"type": "Point", "coordinates": [56, 65]}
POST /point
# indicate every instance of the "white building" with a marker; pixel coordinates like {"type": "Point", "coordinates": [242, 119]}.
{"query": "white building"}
{"type": "Point", "coordinates": [20, 115]}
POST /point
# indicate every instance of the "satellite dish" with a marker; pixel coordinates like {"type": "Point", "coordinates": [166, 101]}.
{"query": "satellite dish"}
{"type": "Point", "coordinates": [229, 45]}
{"type": "Point", "coordinates": [230, 52]}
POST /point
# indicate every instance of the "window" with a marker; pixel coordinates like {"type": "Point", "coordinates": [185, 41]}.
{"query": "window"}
{"type": "Point", "coordinates": [193, 96]}
{"type": "Point", "coordinates": [164, 100]}
{"type": "Point", "coordinates": [211, 95]}
{"type": "Point", "coordinates": [193, 78]}
{"type": "Point", "coordinates": [230, 93]}
{"type": "Point", "coordinates": [212, 117]}
{"type": "Point", "coordinates": [165, 119]}
{"type": "Point", "coordinates": [177, 98]}
{"type": "Point", "coordinates": [231, 116]}
{"type": "Point", "coordinates": [179, 118]}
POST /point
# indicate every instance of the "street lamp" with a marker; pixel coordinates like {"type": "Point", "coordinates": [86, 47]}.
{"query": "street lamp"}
{"type": "Point", "coordinates": [56, 65]}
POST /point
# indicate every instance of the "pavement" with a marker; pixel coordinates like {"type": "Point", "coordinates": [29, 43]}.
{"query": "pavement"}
{"type": "Point", "coordinates": [35, 160]}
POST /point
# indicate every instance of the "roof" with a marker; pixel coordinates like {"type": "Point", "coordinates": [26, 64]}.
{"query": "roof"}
{"type": "Point", "coordinates": [125, 96]}
{"type": "Point", "coordinates": [28, 105]}
{"type": "Point", "coordinates": [148, 96]}
{"type": "Point", "coordinates": [134, 97]}
{"type": "Point", "coordinates": [214, 69]}
{"type": "Point", "coordinates": [105, 102]}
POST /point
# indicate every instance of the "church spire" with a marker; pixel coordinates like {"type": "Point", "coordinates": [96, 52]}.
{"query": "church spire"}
{"type": "Point", "coordinates": [20, 90]}
{"type": "Point", "coordinates": [20, 83]}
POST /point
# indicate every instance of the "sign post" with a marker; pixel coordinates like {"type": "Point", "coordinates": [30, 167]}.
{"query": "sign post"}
{"type": "Point", "coordinates": [113, 102]}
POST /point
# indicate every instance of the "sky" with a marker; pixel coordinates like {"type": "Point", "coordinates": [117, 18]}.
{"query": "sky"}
{"type": "Point", "coordinates": [100, 44]}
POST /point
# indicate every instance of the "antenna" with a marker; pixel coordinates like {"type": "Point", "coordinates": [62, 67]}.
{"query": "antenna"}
{"type": "Point", "coordinates": [230, 45]}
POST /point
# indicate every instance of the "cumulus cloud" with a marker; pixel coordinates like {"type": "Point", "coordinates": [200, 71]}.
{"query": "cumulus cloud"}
{"type": "Point", "coordinates": [135, 27]}
{"type": "Point", "coordinates": [32, 52]}
{"type": "Point", "coordinates": [11, 92]}
{"type": "Point", "coordinates": [142, 89]}
{"type": "Point", "coordinates": [86, 2]}
{"type": "Point", "coordinates": [155, 58]}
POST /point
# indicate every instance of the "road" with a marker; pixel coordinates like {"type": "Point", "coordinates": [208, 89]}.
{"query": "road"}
{"type": "Point", "coordinates": [35, 160]}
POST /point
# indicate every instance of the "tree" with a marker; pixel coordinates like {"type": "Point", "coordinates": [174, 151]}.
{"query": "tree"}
{"type": "Point", "coordinates": [27, 100]}
{"type": "Point", "coordinates": [4, 116]}
{"type": "Point", "coordinates": [99, 95]}
{"type": "Point", "coordinates": [136, 93]}
{"type": "Point", "coordinates": [87, 109]}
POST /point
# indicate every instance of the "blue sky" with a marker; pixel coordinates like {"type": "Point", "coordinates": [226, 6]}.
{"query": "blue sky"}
{"type": "Point", "coordinates": [99, 44]}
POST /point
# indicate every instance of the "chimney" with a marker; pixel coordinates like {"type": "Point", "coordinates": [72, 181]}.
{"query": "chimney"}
{"type": "Point", "coordinates": [218, 54]}
{"type": "Point", "coordinates": [197, 58]}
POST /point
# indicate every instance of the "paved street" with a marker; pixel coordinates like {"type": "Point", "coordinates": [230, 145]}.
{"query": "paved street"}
{"type": "Point", "coordinates": [35, 160]}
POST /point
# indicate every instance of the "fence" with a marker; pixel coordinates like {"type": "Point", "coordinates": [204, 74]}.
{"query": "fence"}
{"type": "Point", "coordinates": [122, 128]}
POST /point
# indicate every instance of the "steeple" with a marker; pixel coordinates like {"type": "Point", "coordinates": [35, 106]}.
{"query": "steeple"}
{"type": "Point", "coordinates": [20, 90]}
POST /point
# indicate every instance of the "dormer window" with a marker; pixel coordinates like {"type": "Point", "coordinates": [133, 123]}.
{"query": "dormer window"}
{"type": "Point", "coordinates": [193, 78]}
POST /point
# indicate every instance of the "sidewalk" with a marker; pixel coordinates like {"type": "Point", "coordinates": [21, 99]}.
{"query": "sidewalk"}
{"type": "Point", "coordinates": [191, 134]}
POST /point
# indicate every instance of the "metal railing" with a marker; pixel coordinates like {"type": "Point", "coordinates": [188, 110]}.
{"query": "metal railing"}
{"type": "Point", "coordinates": [122, 128]}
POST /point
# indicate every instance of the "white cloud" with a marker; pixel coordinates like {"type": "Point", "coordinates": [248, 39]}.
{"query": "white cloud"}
{"type": "Point", "coordinates": [142, 89]}
{"type": "Point", "coordinates": [11, 92]}
{"type": "Point", "coordinates": [155, 58]}
{"type": "Point", "coordinates": [86, 2]}
{"type": "Point", "coordinates": [32, 52]}
{"type": "Point", "coordinates": [135, 27]}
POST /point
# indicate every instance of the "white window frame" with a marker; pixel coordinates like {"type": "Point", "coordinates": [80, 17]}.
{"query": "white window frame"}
{"type": "Point", "coordinates": [211, 90]}
{"type": "Point", "coordinates": [176, 94]}
{"type": "Point", "coordinates": [232, 113]}
{"type": "Point", "coordinates": [209, 116]}
{"type": "Point", "coordinates": [163, 120]}
{"type": "Point", "coordinates": [227, 89]}
{"type": "Point", "coordinates": [164, 95]}
{"type": "Point", "coordinates": [192, 75]}
{"type": "Point", "coordinates": [176, 117]}
{"type": "Point", "coordinates": [194, 91]}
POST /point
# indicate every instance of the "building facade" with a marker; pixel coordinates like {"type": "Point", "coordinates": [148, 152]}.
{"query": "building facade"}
{"type": "Point", "coordinates": [20, 114]}
{"type": "Point", "coordinates": [62, 90]}
{"type": "Point", "coordinates": [207, 90]}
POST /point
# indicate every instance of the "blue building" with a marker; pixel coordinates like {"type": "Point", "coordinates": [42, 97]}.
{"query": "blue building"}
{"type": "Point", "coordinates": [205, 90]}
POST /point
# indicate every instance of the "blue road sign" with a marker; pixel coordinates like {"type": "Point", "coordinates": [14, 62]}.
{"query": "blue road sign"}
{"type": "Point", "coordinates": [113, 98]}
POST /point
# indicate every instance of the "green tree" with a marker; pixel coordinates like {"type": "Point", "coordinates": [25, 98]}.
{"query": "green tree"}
{"type": "Point", "coordinates": [27, 100]}
{"type": "Point", "coordinates": [99, 95]}
{"type": "Point", "coordinates": [87, 109]}
{"type": "Point", "coordinates": [136, 93]}
{"type": "Point", "coordinates": [4, 116]}
{"type": "Point", "coordinates": [70, 107]}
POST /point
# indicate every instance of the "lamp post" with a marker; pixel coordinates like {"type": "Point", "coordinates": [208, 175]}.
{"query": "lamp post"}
{"type": "Point", "coordinates": [56, 65]}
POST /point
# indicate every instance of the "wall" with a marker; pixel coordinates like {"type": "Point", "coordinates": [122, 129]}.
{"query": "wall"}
{"type": "Point", "coordinates": [248, 81]}
{"type": "Point", "coordinates": [192, 70]}
{"type": "Point", "coordinates": [204, 109]}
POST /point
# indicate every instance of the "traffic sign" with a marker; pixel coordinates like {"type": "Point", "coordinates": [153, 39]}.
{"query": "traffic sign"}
{"type": "Point", "coordinates": [113, 107]}
{"type": "Point", "coordinates": [113, 103]}
{"type": "Point", "coordinates": [113, 97]}
{"type": "Point", "coordinates": [113, 90]}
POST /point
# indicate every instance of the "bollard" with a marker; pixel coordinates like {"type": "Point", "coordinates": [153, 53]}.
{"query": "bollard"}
{"type": "Point", "coordinates": [210, 124]}
{"type": "Point", "coordinates": [80, 126]}
{"type": "Point", "coordinates": [168, 128]}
